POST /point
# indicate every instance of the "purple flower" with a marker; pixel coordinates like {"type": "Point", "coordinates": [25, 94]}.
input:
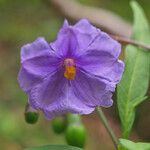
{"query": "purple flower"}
{"type": "Point", "coordinates": [75, 73]}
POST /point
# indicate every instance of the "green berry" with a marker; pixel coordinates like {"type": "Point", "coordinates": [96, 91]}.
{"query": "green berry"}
{"type": "Point", "coordinates": [76, 135]}
{"type": "Point", "coordinates": [59, 125]}
{"type": "Point", "coordinates": [31, 117]}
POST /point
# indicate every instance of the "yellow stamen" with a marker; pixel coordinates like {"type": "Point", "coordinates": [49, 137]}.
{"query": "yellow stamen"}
{"type": "Point", "coordinates": [70, 72]}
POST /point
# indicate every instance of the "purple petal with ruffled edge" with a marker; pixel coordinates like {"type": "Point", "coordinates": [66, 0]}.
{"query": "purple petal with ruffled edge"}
{"type": "Point", "coordinates": [85, 34]}
{"type": "Point", "coordinates": [101, 59]}
{"type": "Point", "coordinates": [38, 60]}
{"type": "Point", "coordinates": [91, 90]}
{"type": "Point", "coordinates": [32, 49]}
{"type": "Point", "coordinates": [27, 80]}
{"type": "Point", "coordinates": [66, 43]}
{"type": "Point", "coordinates": [67, 104]}
{"type": "Point", "coordinates": [54, 96]}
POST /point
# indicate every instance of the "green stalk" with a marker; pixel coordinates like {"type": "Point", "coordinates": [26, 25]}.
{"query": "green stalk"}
{"type": "Point", "coordinates": [107, 126]}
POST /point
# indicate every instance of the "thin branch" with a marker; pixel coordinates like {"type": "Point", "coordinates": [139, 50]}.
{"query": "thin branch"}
{"type": "Point", "coordinates": [102, 18]}
{"type": "Point", "coordinates": [125, 40]}
{"type": "Point", "coordinates": [108, 128]}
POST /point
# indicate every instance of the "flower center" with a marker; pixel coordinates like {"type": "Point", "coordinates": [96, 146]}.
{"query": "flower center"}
{"type": "Point", "coordinates": [70, 69]}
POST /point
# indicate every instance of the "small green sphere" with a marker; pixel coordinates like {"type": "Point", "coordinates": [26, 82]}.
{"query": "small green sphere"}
{"type": "Point", "coordinates": [59, 125]}
{"type": "Point", "coordinates": [76, 135]}
{"type": "Point", "coordinates": [31, 117]}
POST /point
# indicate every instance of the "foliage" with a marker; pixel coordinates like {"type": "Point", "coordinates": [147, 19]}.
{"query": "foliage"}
{"type": "Point", "coordinates": [134, 146]}
{"type": "Point", "coordinates": [134, 84]}
{"type": "Point", "coordinates": [54, 147]}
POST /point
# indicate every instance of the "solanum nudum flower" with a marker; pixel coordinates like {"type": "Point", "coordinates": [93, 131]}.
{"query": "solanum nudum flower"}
{"type": "Point", "coordinates": [75, 73]}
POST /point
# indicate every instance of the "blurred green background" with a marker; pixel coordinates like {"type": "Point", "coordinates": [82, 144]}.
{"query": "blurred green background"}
{"type": "Point", "coordinates": [22, 21]}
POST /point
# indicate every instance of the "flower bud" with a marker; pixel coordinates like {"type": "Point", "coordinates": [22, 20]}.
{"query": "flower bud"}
{"type": "Point", "coordinates": [59, 124]}
{"type": "Point", "coordinates": [31, 115]}
{"type": "Point", "coordinates": [76, 135]}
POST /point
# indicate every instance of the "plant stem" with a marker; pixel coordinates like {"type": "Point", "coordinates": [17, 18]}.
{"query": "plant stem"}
{"type": "Point", "coordinates": [108, 128]}
{"type": "Point", "coordinates": [125, 40]}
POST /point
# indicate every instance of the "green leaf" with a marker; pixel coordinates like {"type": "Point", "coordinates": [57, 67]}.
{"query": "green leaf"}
{"type": "Point", "coordinates": [134, 84]}
{"type": "Point", "coordinates": [139, 100]}
{"type": "Point", "coordinates": [134, 146]}
{"type": "Point", "coordinates": [54, 147]}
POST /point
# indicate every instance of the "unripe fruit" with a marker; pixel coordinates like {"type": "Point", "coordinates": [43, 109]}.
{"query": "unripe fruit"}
{"type": "Point", "coordinates": [31, 117]}
{"type": "Point", "coordinates": [59, 125]}
{"type": "Point", "coordinates": [31, 114]}
{"type": "Point", "coordinates": [76, 135]}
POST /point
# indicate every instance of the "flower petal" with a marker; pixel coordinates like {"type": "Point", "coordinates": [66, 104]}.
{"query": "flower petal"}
{"type": "Point", "coordinates": [47, 91]}
{"type": "Point", "coordinates": [54, 96]}
{"type": "Point", "coordinates": [27, 80]}
{"type": "Point", "coordinates": [38, 60]}
{"type": "Point", "coordinates": [66, 42]}
{"type": "Point", "coordinates": [73, 40]}
{"type": "Point", "coordinates": [101, 59]}
{"type": "Point", "coordinates": [67, 104]}
{"type": "Point", "coordinates": [33, 49]}
{"type": "Point", "coordinates": [92, 90]}
{"type": "Point", "coordinates": [85, 34]}
{"type": "Point", "coordinates": [104, 43]}
{"type": "Point", "coordinates": [102, 65]}
{"type": "Point", "coordinates": [43, 64]}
